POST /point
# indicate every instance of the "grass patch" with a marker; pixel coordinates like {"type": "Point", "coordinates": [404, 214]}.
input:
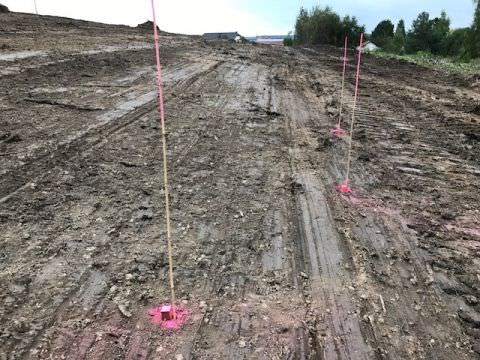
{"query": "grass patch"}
{"type": "Point", "coordinates": [436, 62]}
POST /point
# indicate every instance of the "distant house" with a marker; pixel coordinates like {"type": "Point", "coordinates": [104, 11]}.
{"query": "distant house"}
{"type": "Point", "coordinates": [222, 36]}
{"type": "Point", "coordinates": [147, 25]}
{"type": "Point", "coordinates": [368, 47]}
{"type": "Point", "coordinates": [271, 39]}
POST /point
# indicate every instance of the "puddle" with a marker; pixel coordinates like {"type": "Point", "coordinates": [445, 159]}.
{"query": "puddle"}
{"type": "Point", "coordinates": [134, 76]}
{"type": "Point", "coordinates": [21, 55]}
{"type": "Point", "coordinates": [127, 106]}
{"type": "Point", "coordinates": [44, 90]}
{"type": "Point", "coordinates": [110, 49]}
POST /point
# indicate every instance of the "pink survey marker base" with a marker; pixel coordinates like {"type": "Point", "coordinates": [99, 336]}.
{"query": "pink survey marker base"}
{"type": "Point", "coordinates": [344, 188]}
{"type": "Point", "coordinates": [157, 315]}
{"type": "Point", "coordinates": [338, 131]}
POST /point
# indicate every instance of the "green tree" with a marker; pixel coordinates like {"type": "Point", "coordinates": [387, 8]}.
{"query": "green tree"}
{"type": "Point", "coordinates": [473, 38]}
{"type": "Point", "coordinates": [288, 41]}
{"type": "Point", "coordinates": [352, 29]}
{"type": "Point", "coordinates": [429, 34]}
{"type": "Point", "coordinates": [383, 34]}
{"type": "Point", "coordinates": [418, 38]}
{"type": "Point", "coordinates": [440, 31]}
{"type": "Point", "coordinates": [324, 26]}
{"type": "Point", "coordinates": [399, 38]}
{"type": "Point", "coordinates": [301, 26]}
{"type": "Point", "coordinates": [400, 30]}
{"type": "Point", "coordinates": [455, 42]}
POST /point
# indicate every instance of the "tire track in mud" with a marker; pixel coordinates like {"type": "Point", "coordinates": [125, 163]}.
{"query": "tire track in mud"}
{"type": "Point", "coordinates": [213, 111]}
{"type": "Point", "coordinates": [100, 138]}
{"type": "Point", "coordinates": [380, 251]}
{"type": "Point", "coordinates": [393, 273]}
{"type": "Point", "coordinates": [86, 295]}
{"type": "Point", "coordinates": [322, 251]}
{"type": "Point", "coordinates": [335, 331]}
{"type": "Point", "coordinates": [142, 345]}
{"type": "Point", "coordinates": [214, 284]}
{"type": "Point", "coordinates": [71, 149]}
{"type": "Point", "coordinates": [216, 120]}
{"type": "Point", "coordinates": [225, 323]}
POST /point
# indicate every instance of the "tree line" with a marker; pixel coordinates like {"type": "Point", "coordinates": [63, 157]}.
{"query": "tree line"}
{"type": "Point", "coordinates": [433, 35]}
{"type": "Point", "coordinates": [323, 26]}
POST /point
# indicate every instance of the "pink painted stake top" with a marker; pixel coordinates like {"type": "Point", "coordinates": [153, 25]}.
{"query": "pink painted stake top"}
{"type": "Point", "coordinates": [167, 313]}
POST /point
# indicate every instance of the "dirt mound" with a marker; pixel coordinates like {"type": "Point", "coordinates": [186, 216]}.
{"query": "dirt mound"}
{"type": "Point", "coordinates": [4, 9]}
{"type": "Point", "coordinates": [147, 25]}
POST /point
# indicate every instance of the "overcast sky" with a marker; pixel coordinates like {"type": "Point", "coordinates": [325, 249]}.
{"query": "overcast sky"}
{"type": "Point", "coordinates": [249, 17]}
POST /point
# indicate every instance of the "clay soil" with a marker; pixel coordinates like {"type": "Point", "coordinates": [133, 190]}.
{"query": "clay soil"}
{"type": "Point", "coordinates": [270, 261]}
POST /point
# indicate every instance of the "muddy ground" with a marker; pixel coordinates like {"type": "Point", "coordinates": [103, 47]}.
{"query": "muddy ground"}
{"type": "Point", "coordinates": [270, 261]}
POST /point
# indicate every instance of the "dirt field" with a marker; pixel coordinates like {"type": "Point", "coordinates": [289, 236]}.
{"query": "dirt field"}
{"type": "Point", "coordinates": [270, 260]}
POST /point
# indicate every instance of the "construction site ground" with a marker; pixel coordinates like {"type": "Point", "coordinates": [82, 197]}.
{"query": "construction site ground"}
{"type": "Point", "coordinates": [270, 261]}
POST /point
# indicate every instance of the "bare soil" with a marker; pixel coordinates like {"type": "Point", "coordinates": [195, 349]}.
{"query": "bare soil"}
{"type": "Point", "coordinates": [270, 260]}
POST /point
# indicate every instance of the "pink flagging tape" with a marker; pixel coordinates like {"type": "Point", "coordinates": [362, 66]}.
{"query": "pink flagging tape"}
{"type": "Point", "coordinates": [338, 131]}
{"type": "Point", "coordinates": [345, 188]}
{"type": "Point", "coordinates": [168, 318]}
{"type": "Point", "coordinates": [165, 167]}
{"type": "Point", "coordinates": [357, 79]}
{"type": "Point", "coordinates": [159, 67]}
{"type": "Point", "coordinates": [345, 59]}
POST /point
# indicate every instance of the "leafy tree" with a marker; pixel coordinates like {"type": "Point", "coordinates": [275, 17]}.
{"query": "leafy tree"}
{"type": "Point", "coordinates": [324, 26]}
{"type": "Point", "coordinates": [429, 34]}
{"type": "Point", "coordinates": [301, 26]}
{"type": "Point", "coordinates": [352, 29]}
{"type": "Point", "coordinates": [383, 33]}
{"type": "Point", "coordinates": [442, 24]}
{"type": "Point", "coordinates": [400, 30]}
{"type": "Point", "coordinates": [440, 31]}
{"type": "Point", "coordinates": [418, 38]}
{"type": "Point", "coordinates": [433, 35]}
{"type": "Point", "coordinates": [455, 42]}
{"type": "Point", "coordinates": [473, 38]}
{"type": "Point", "coordinates": [399, 38]}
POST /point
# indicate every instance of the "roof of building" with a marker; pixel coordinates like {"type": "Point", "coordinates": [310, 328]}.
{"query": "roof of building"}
{"type": "Point", "coordinates": [368, 46]}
